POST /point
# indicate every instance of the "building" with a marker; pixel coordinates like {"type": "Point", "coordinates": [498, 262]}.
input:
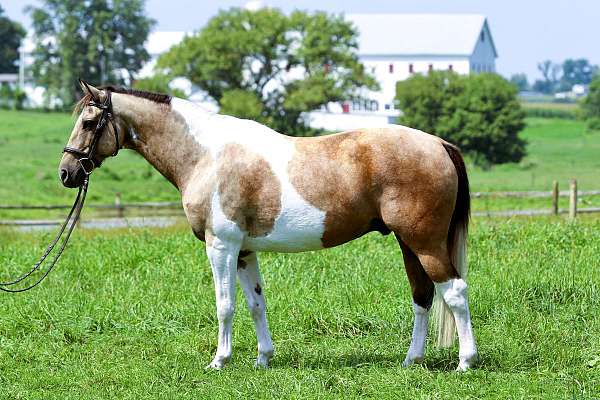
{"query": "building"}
{"type": "Point", "coordinates": [394, 46]}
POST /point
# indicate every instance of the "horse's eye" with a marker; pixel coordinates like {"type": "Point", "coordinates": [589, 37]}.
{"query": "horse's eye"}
{"type": "Point", "coordinates": [89, 125]}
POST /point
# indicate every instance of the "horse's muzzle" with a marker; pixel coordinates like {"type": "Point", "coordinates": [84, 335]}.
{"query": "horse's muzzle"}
{"type": "Point", "coordinates": [71, 178]}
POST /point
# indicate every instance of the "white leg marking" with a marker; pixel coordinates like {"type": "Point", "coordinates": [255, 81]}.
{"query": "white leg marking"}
{"type": "Point", "coordinates": [454, 293]}
{"type": "Point", "coordinates": [416, 351]}
{"type": "Point", "coordinates": [252, 285]}
{"type": "Point", "coordinates": [223, 260]}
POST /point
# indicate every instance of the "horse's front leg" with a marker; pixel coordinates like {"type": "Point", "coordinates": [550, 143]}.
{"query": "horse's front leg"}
{"type": "Point", "coordinates": [252, 285]}
{"type": "Point", "coordinates": [223, 257]}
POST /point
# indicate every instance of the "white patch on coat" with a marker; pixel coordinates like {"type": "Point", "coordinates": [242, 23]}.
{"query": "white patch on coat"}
{"type": "Point", "coordinates": [416, 351]}
{"type": "Point", "coordinates": [300, 225]}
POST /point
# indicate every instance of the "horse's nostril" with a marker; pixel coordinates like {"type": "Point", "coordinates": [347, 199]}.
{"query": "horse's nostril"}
{"type": "Point", "coordinates": [64, 175]}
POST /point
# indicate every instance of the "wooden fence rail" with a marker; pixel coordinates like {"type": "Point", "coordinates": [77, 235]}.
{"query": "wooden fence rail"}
{"type": "Point", "coordinates": [554, 194]}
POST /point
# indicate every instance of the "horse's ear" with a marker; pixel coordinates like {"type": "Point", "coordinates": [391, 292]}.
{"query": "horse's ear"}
{"type": "Point", "coordinates": [86, 87]}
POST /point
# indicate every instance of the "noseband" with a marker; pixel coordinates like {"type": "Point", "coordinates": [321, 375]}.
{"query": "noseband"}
{"type": "Point", "coordinates": [88, 160]}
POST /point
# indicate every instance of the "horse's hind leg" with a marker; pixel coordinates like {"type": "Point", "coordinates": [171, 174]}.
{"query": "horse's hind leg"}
{"type": "Point", "coordinates": [422, 294]}
{"type": "Point", "coordinates": [251, 283]}
{"type": "Point", "coordinates": [453, 289]}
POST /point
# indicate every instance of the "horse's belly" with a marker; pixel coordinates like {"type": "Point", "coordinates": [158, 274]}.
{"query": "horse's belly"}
{"type": "Point", "coordinates": [299, 227]}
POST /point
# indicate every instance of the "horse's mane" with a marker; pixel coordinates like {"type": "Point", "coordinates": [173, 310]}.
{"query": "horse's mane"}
{"type": "Point", "coordinates": [155, 97]}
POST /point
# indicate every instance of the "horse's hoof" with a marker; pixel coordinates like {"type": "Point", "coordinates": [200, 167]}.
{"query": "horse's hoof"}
{"type": "Point", "coordinates": [262, 361]}
{"type": "Point", "coordinates": [216, 364]}
{"type": "Point", "coordinates": [408, 361]}
{"type": "Point", "coordinates": [467, 363]}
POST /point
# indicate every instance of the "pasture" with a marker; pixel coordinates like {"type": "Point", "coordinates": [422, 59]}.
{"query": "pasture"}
{"type": "Point", "coordinates": [31, 144]}
{"type": "Point", "coordinates": [130, 314]}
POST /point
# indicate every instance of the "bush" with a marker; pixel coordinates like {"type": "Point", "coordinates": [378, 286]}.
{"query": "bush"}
{"type": "Point", "coordinates": [479, 113]}
{"type": "Point", "coordinates": [590, 105]}
{"type": "Point", "coordinates": [12, 97]}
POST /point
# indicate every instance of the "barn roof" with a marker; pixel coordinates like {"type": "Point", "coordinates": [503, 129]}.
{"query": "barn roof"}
{"type": "Point", "coordinates": [419, 34]}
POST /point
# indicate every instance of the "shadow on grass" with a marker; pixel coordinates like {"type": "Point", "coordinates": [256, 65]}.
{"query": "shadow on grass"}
{"type": "Point", "coordinates": [359, 359]}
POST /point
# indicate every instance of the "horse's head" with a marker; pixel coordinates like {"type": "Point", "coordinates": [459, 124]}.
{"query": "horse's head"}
{"type": "Point", "coordinates": [95, 136]}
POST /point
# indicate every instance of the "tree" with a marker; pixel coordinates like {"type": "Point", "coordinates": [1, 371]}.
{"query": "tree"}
{"type": "Point", "coordinates": [272, 67]}
{"type": "Point", "coordinates": [158, 83]}
{"type": "Point", "coordinates": [11, 33]}
{"type": "Point", "coordinates": [575, 72]}
{"type": "Point", "coordinates": [520, 81]}
{"type": "Point", "coordinates": [99, 40]}
{"type": "Point", "coordinates": [590, 105]}
{"type": "Point", "coordinates": [550, 71]}
{"type": "Point", "coordinates": [480, 113]}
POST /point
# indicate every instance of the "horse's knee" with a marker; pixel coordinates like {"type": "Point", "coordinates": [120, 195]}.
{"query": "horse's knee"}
{"type": "Point", "coordinates": [225, 310]}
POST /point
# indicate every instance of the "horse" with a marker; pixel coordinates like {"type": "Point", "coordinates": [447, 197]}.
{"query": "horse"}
{"type": "Point", "coordinates": [246, 188]}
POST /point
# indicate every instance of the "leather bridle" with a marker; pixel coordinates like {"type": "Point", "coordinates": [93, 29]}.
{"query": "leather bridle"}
{"type": "Point", "coordinates": [88, 160]}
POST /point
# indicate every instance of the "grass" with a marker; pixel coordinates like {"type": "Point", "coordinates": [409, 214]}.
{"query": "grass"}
{"type": "Point", "coordinates": [31, 144]}
{"type": "Point", "coordinates": [130, 314]}
{"type": "Point", "coordinates": [557, 150]}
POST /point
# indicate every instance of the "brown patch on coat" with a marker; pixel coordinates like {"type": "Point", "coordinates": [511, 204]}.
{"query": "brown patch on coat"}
{"type": "Point", "coordinates": [258, 289]}
{"type": "Point", "coordinates": [245, 253]}
{"type": "Point", "coordinates": [335, 174]}
{"type": "Point", "coordinates": [249, 191]}
{"type": "Point", "coordinates": [388, 179]}
{"type": "Point", "coordinates": [421, 285]}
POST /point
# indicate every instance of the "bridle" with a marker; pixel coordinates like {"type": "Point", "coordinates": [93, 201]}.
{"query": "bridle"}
{"type": "Point", "coordinates": [88, 162]}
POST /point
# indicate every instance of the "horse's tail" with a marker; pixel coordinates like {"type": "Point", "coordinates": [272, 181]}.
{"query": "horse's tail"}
{"type": "Point", "coordinates": [457, 246]}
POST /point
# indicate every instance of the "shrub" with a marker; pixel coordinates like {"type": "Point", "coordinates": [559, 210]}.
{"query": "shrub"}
{"type": "Point", "coordinates": [12, 97]}
{"type": "Point", "coordinates": [479, 113]}
{"type": "Point", "coordinates": [590, 105]}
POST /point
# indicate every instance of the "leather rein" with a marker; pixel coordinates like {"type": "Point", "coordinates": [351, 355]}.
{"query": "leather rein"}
{"type": "Point", "coordinates": [88, 162]}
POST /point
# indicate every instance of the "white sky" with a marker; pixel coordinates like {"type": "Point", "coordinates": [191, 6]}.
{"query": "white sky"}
{"type": "Point", "coordinates": [525, 31]}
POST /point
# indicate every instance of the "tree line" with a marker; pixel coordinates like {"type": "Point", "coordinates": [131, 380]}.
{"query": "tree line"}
{"type": "Point", "coordinates": [558, 77]}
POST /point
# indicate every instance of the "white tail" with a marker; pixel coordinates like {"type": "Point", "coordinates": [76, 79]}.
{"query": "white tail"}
{"type": "Point", "coordinates": [442, 316]}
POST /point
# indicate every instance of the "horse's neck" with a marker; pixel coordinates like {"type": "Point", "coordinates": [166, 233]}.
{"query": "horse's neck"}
{"type": "Point", "coordinates": [162, 137]}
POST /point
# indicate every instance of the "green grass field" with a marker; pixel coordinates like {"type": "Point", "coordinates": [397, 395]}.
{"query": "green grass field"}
{"type": "Point", "coordinates": [31, 145]}
{"type": "Point", "coordinates": [129, 314]}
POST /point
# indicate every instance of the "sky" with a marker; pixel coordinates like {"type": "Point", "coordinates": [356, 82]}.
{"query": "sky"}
{"type": "Point", "coordinates": [525, 31]}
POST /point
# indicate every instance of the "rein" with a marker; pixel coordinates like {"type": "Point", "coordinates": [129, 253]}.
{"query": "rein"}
{"type": "Point", "coordinates": [88, 163]}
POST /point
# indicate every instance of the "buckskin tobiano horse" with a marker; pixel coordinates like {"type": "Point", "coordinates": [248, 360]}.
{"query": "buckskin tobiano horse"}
{"type": "Point", "coordinates": [246, 188]}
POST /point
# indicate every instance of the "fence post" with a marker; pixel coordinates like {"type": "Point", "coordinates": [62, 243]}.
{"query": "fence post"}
{"type": "Point", "coordinates": [118, 206]}
{"type": "Point", "coordinates": [573, 199]}
{"type": "Point", "coordinates": [555, 194]}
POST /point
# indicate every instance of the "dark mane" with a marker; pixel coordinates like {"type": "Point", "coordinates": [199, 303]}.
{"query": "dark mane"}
{"type": "Point", "coordinates": [155, 97]}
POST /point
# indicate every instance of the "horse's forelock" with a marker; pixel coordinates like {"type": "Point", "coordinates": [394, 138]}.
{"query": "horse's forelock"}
{"type": "Point", "coordinates": [79, 106]}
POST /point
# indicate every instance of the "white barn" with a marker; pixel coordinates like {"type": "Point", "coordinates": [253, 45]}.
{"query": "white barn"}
{"type": "Point", "coordinates": [395, 46]}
